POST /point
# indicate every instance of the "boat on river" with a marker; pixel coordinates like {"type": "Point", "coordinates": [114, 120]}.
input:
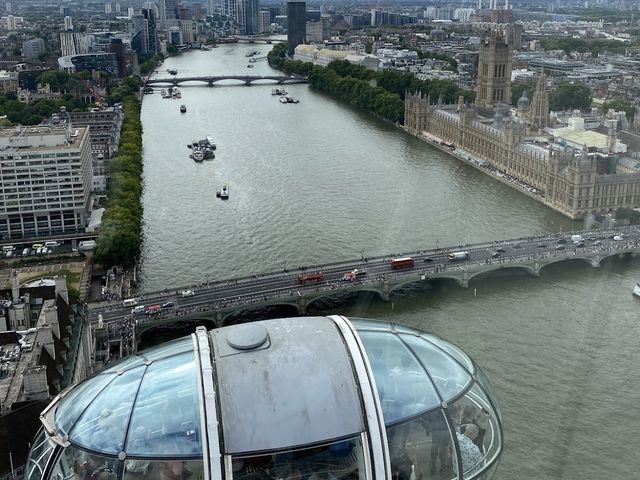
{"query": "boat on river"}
{"type": "Point", "coordinates": [223, 193]}
{"type": "Point", "coordinates": [636, 290]}
{"type": "Point", "coordinates": [206, 143]}
{"type": "Point", "coordinates": [197, 155]}
{"type": "Point", "coordinates": [183, 108]}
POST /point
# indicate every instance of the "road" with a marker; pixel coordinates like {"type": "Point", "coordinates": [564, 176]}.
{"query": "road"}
{"type": "Point", "coordinates": [258, 288]}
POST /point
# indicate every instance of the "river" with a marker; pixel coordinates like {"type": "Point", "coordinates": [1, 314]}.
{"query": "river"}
{"type": "Point", "coordinates": [320, 181]}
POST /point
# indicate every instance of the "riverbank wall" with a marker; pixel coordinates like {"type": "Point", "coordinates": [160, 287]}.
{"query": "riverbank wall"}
{"type": "Point", "coordinates": [481, 165]}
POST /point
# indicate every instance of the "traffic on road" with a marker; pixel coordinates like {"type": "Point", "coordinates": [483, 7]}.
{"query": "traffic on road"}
{"type": "Point", "coordinates": [418, 265]}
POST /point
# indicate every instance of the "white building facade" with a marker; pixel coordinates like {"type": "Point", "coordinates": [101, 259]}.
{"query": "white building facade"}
{"type": "Point", "coordinates": [45, 181]}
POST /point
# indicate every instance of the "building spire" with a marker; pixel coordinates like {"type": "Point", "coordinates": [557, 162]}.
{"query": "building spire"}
{"type": "Point", "coordinates": [539, 112]}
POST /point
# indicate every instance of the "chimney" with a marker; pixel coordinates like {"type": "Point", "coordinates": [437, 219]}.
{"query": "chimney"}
{"type": "Point", "coordinates": [61, 288]}
{"type": "Point", "coordinates": [34, 383]}
{"type": "Point", "coordinates": [15, 288]}
{"type": "Point", "coordinates": [45, 338]}
{"type": "Point", "coordinates": [51, 318]}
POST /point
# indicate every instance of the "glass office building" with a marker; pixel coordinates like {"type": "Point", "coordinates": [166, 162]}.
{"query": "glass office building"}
{"type": "Point", "coordinates": [309, 398]}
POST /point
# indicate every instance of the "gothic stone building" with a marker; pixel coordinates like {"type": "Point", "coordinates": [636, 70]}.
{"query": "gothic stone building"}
{"type": "Point", "coordinates": [568, 180]}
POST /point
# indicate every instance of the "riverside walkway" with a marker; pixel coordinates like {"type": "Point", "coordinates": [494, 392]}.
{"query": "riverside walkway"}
{"type": "Point", "coordinates": [214, 301]}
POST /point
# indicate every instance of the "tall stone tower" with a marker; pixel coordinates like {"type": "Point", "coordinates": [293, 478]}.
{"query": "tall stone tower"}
{"type": "Point", "coordinates": [539, 112]}
{"type": "Point", "coordinates": [494, 71]}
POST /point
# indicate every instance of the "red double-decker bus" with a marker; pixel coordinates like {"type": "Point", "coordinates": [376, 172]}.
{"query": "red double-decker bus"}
{"type": "Point", "coordinates": [404, 262]}
{"type": "Point", "coordinates": [316, 277]}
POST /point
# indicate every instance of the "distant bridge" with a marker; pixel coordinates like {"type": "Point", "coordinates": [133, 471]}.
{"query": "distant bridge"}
{"type": "Point", "coordinates": [217, 301]}
{"type": "Point", "coordinates": [249, 39]}
{"type": "Point", "coordinates": [210, 80]}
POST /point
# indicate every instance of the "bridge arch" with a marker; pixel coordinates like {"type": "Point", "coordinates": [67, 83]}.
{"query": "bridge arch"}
{"type": "Point", "coordinates": [259, 312]}
{"type": "Point", "coordinates": [173, 327]}
{"type": "Point", "coordinates": [502, 266]}
{"type": "Point", "coordinates": [576, 258]}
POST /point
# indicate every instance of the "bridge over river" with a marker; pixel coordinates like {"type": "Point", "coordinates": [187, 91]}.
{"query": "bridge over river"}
{"type": "Point", "coordinates": [216, 301]}
{"type": "Point", "coordinates": [210, 80]}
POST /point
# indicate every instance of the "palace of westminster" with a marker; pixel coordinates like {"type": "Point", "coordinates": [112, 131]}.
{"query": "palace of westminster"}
{"type": "Point", "coordinates": [575, 171]}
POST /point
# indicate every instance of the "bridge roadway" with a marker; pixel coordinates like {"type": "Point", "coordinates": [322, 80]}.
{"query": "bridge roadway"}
{"type": "Point", "coordinates": [216, 300]}
{"type": "Point", "coordinates": [211, 79]}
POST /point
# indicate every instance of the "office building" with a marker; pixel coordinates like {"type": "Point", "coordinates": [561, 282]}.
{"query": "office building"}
{"type": "Point", "coordinates": [144, 38]}
{"type": "Point", "coordinates": [187, 26]}
{"type": "Point", "coordinates": [264, 21]}
{"type": "Point", "coordinates": [167, 11]}
{"type": "Point", "coordinates": [314, 397]}
{"type": "Point", "coordinates": [248, 11]}
{"type": "Point", "coordinates": [230, 8]}
{"type": "Point", "coordinates": [150, 16]}
{"type": "Point", "coordinates": [32, 48]}
{"type": "Point", "coordinates": [104, 135]}
{"type": "Point", "coordinates": [318, 30]}
{"type": "Point", "coordinates": [45, 177]}
{"type": "Point", "coordinates": [107, 62]}
{"type": "Point", "coordinates": [297, 24]}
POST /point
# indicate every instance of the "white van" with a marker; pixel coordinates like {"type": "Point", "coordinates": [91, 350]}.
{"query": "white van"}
{"type": "Point", "coordinates": [51, 244]}
{"type": "Point", "coordinates": [577, 238]}
{"type": "Point", "coordinates": [129, 302]}
{"type": "Point", "coordinates": [138, 309]}
{"type": "Point", "coordinates": [8, 248]}
{"type": "Point", "coordinates": [187, 293]}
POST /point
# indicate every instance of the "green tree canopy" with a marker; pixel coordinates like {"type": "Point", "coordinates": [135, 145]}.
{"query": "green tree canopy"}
{"type": "Point", "coordinates": [621, 104]}
{"type": "Point", "coordinates": [569, 95]}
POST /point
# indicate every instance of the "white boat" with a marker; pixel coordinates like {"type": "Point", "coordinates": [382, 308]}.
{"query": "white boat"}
{"type": "Point", "coordinates": [197, 155]}
{"type": "Point", "coordinates": [210, 143]}
{"type": "Point", "coordinates": [283, 100]}
{"type": "Point", "coordinates": [636, 290]}
{"type": "Point", "coordinates": [224, 193]}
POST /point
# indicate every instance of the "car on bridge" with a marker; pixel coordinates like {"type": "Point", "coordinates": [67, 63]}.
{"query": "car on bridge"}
{"type": "Point", "coordinates": [562, 240]}
{"type": "Point", "coordinates": [187, 293]}
{"type": "Point", "coordinates": [167, 304]}
{"type": "Point", "coordinates": [560, 247]}
{"type": "Point", "coordinates": [495, 254]}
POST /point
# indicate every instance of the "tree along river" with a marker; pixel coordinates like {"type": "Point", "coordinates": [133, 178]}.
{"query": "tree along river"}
{"type": "Point", "coordinates": [318, 181]}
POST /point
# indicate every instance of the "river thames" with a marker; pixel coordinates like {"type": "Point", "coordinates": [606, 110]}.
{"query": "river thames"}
{"type": "Point", "coordinates": [319, 181]}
